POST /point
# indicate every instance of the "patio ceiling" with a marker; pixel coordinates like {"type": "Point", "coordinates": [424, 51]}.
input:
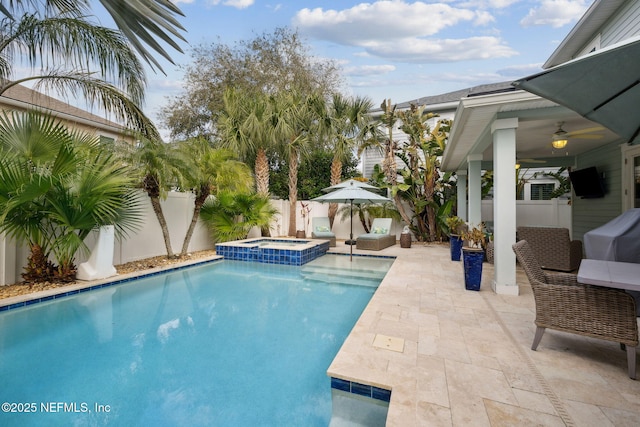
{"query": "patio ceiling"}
{"type": "Point", "coordinates": [538, 119]}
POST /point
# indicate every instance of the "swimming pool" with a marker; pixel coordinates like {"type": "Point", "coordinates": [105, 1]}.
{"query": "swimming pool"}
{"type": "Point", "coordinates": [227, 343]}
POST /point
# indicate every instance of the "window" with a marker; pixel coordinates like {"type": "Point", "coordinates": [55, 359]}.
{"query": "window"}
{"type": "Point", "coordinates": [542, 191]}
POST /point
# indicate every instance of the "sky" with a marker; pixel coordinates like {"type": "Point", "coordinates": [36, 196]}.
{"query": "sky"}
{"type": "Point", "coordinates": [393, 49]}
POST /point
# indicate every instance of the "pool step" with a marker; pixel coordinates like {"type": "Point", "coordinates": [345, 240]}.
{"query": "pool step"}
{"type": "Point", "coordinates": [360, 277]}
{"type": "Point", "coordinates": [336, 279]}
{"type": "Point", "coordinates": [354, 272]}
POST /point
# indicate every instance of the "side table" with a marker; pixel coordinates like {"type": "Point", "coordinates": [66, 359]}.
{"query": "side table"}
{"type": "Point", "coordinates": [405, 240]}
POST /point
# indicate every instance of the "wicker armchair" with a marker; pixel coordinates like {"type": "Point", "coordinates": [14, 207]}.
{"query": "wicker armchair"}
{"type": "Point", "coordinates": [553, 247]}
{"type": "Point", "coordinates": [565, 305]}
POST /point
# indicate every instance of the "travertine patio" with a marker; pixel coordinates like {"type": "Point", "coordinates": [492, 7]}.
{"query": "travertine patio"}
{"type": "Point", "coordinates": [461, 358]}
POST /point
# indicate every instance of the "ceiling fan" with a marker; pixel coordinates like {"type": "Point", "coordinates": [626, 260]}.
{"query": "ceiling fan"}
{"type": "Point", "coordinates": [519, 161]}
{"type": "Point", "coordinates": [560, 137]}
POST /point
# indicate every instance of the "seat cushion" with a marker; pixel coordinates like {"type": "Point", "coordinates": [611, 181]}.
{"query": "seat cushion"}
{"type": "Point", "coordinates": [372, 236]}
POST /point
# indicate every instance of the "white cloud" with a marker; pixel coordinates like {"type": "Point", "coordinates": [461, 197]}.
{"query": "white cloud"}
{"type": "Point", "coordinates": [380, 20]}
{"type": "Point", "coordinates": [483, 18]}
{"type": "Point", "coordinates": [401, 31]}
{"type": "Point", "coordinates": [488, 4]}
{"type": "Point", "coordinates": [238, 4]}
{"type": "Point", "coordinates": [444, 50]}
{"type": "Point", "coordinates": [368, 70]}
{"type": "Point", "coordinates": [555, 13]}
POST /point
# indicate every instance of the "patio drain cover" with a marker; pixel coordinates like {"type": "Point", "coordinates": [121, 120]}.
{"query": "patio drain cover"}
{"type": "Point", "coordinates": [389, 343]}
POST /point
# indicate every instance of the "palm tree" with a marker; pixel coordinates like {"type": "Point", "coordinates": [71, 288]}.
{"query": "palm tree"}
{"type": "Point", "coordinates": [140, 21]}
{"type": "Point", "coordinates": [348, 126]}
{"type": "Point", "coordinates": [230, 216]}
{"type": "Point", "coordinates": [55, 187]}
{"type": "Point", "coordinates": [245, 126]}
{"type": "Point", "coordinates": [211, 171]}
{"type": "Point", "coordinates": [389, 148]}
{"type": "Point", "coordinates": [72, 55]}
{"type": "Point", "coordinates": [158, 168]}
{"type": "Point", "coordinates": [296, 118]}
{"type": "Point", "coordinates": [99, 192]}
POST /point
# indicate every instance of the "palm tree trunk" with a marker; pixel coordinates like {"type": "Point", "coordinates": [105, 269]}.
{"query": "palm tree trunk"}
{"type": "Point", "coordinates": [336, 174]}
{"type": "Point", "coordinates": [157, 209]}
{"type": "Point", "coordinates": [262, 173]}
{"type": "Point", "coordinates": [201, 197]}
{"type": "Point", "coordinates": [293, 191]}
{"type": "Point", "coordinates": [262, 182]}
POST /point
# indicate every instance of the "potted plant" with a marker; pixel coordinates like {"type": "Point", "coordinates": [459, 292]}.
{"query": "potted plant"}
{"type": "Point", "coordinates": [304, 211]}
{"type": "Point", "coordinates": [456, 227]}
{"type": "Point", "coordinates": [473, 257]}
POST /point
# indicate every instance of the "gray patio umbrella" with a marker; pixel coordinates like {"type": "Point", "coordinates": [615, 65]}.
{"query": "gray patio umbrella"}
{"type": "Point", "coordinates": [350, 183]}
{"type": "Point", "coordinates": [351, 194]}
{"type": "Point", "coordinates": [603, 86]}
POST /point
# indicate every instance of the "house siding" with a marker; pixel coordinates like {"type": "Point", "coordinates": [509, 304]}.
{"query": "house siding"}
{"type": "Point", "coordinates": [624, 24]}
{"type": "Point", "coordinates": [591, 213]}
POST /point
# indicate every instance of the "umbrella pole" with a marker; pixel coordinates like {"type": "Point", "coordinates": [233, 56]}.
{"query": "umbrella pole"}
{"type": "Point", "coordinates": [351, 235]}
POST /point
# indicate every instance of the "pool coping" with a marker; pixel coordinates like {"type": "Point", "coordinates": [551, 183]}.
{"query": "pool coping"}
{"type": "Point", "coordinates": [25, 300]}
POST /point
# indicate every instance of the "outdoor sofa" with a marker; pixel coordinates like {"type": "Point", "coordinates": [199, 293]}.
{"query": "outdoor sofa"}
{"type": "Point", "coordinates": [379, 238]}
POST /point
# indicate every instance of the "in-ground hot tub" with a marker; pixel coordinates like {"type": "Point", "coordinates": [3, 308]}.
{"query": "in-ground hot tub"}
{"type": "Point", "coordinates": [273, 251]}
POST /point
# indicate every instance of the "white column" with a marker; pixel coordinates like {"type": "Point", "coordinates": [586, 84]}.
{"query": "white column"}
{"type": "Point", "coordinates": [504, 205]}
{"type": "Point", "coordinates": [461, 185]}
{"type": "Point", "coordinates": [475, 189]}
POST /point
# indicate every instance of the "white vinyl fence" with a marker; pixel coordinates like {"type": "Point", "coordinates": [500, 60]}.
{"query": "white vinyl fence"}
{"type": "Point", "coordinates": [178, 208]}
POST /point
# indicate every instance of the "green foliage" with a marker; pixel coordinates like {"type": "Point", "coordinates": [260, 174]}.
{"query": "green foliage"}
{"type": "Point", "coordinates": [367, 212]}
{"type": "Point", "coordinates": [270, 63]}
{"type": "Point", "coordinates": [454, 224]}
{"type": "Point", "coordinates": [563, 180]}
{"type": "Point", "coordinates": [475, 236]}
{"type": "Point", "coordinates": [66, 52]}
{"type": "Point", "coordinates": [314, 174]}
{"type": "Point", "coordinates": [422, 187]}
{"type": "Point", "coordinates": [230, 216]}
{"type": "Point", "coordinates": [140, 21]}
{"type": "Point", "coordinates": [56, 186]}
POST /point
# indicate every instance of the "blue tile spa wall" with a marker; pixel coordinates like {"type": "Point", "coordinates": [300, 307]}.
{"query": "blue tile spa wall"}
{"type": "Point", "coordinates": [268, 255]}
{"type": "Point", "coordinates": [361, 389]}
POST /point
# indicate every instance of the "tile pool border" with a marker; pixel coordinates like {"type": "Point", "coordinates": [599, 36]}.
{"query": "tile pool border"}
{"type": "Point", "coordinates": [37, 300]}
{"type": "Point", "coordinates": [359, 389]}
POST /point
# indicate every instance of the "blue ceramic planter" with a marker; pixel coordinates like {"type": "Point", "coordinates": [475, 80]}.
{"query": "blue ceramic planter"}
{"type": "Point", "coordinates": [455, 244]}
{"type": "Point", "coordinates": [472, 260]}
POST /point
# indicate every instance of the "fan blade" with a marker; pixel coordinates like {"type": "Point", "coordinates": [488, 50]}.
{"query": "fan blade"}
{"type": "Point", "coordinates": [586, 136]}
{"type": "Point", "coordinates": [532, 161]}
{"type": "Point", "coordinates": [585, 130]}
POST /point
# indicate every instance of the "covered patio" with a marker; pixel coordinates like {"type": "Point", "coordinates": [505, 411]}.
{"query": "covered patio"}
{"type": "Point", "coordinates": [464, 358]}
{"type": "Point", "coordinates": [499, 131]}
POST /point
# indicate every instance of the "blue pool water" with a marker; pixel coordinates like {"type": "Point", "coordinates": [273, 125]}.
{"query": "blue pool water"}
{"type": "Point", "coordinates": [230, 343]}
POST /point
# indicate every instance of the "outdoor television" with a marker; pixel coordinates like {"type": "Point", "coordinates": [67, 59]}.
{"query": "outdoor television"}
{"type": "Point", "coordinates": [587, 183]}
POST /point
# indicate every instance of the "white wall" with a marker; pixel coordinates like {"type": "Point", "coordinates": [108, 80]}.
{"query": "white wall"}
{"type": "Point", "coordinates": [551, 213]}
{"type": "Point", "coordinates": [144, 243]}
{"type": "Point", "coordinates": [178, 209]}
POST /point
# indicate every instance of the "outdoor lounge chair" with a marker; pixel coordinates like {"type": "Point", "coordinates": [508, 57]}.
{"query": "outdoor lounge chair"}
{"type": "Point", "coordinates": [321, 229]}
{"type": "Point", "coordinates": [564, 304]}
{"type": "Point", "coordinates": [553, 248]}
{"type": "Point", "coordinates": [379, 238]}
